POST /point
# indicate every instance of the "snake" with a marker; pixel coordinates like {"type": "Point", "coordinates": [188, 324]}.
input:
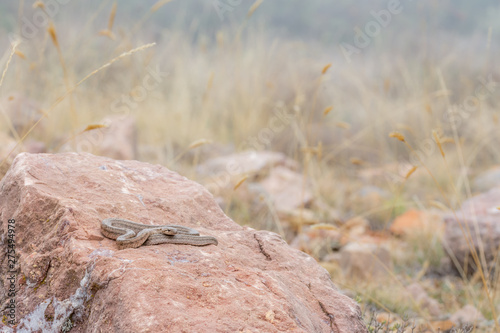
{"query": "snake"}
{"type": "Point", "coordinates": [129, 234]}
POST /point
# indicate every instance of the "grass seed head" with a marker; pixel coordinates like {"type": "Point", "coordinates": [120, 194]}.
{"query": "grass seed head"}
{"type": "Point", "coordinates": [398, 136]}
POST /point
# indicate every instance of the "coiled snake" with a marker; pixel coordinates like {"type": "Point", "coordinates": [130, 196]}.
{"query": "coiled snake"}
{"type": "Point", "coordinates": [129, 234]}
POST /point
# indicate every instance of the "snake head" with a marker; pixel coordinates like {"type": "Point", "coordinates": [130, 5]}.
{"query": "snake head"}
{"type": "Point", "coordinates": [167, 230]}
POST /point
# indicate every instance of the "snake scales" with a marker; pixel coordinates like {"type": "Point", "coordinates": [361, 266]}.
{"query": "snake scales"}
{"type": "Point", "coordinates": [129, 234]}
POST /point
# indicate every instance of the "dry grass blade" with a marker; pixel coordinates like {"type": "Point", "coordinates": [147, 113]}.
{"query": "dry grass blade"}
{"type": "Point", "coordinates": [112, 16]}
{"type": "Point", "coordinates": [343, 124]}
{"type": "Point", "coordinates": [14, 46]}
{"type": "Point", "coordinates": [325, 69]}
{"type": "Point", "coordinates": [436, 137]}
{"type": "Point", "coordinates": [52, 32]}
{"type": "Point", "coordinates": [254, 7]}
{"type": "Point", "coordinates": [240, 182]}
{"type": "Point", "coordinates": [20, 54]}
{"type": "Point", "coordinates": [409, 173]}
{"type": "Point", "coordinates": [107, 32]}
{"type": "Point", "coordinates": [158, 5]}
{"type": "Point", "coordinates": [38, 4]}
{"type": "Point", "coordinates": [87, 129]}
{"type": "Point", "coordinates": [124, 54]}
{"type": "Point", "coordinates": [356, 161]}
{"type": "Point", "coordinates": [398, 136]}
{"type": "Point", "coordinates": [93, 127]}
{"type": "Point", "coordinates": [327, 110]}
{"type": "Point", "coordinates": [199, 143]}
{"type": "Point", "coordinates": [53, 35]}
{"type": "Point", "coordinates": [7, 119]}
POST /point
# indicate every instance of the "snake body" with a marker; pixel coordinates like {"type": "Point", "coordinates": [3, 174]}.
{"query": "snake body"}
{"type": "Point", "coordinates": [129, 234]}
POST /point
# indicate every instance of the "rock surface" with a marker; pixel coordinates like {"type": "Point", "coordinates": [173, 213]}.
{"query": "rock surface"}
{"type": "Point", "coordinates": [479, 217]}
{"type": "Point", "coordinates": [69, 275]}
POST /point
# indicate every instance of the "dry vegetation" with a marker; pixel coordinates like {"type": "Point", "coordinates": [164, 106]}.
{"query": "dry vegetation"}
{"type": "Point", "coordinates": [224, 88]}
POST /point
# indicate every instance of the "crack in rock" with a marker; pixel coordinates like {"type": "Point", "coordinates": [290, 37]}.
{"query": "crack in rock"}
{"type": "Point", "coordinates": [261, 248]}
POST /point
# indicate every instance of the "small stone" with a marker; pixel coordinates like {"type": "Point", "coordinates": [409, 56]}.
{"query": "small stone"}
{"type": "Point", "coordinates": [424, 300]}
{"type": "Point", "coordinates": [365, 261]}
{"type": "Point", "coordinates": [467, 315]}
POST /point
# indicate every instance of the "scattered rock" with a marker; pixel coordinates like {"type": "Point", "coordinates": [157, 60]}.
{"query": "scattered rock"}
{"type": "Point", "coordinates": [318, 240]}
{"type": "Point", "coordinates": [245, 163]}
{"type": "Point", "coordinates": [287, 190]}
{"type": "Point", "coordinates": [371, 198]}
{"type": "Point", "coordinates": [120, 138]}
{"type": "Point", "coordinates": [353, 228]}
{"type": "Point", "coordinates": [467, 315]}
{"type": "Point", "coordinates": [70, 276]}
{"type": "Point", "coordinates": [417, 222]}
{"type": "Point", "coordinates": [298, 218]}
{"type": "Point", "coordinates": [487, 180]}
{"type": "Point", "coordinates": [479, 217]}
{"type": "Point", "coordinates": [440, 326]}
{"type": "Point", "coordinates": [365, 261]}
{"type": "Point", "coordinates": [208, 151]}
{"type": "Point", "coordinates": [424, 301]}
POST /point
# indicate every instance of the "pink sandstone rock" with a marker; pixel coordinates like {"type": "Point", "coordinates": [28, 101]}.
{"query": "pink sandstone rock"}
{"type": "Point", "coordinates": [479, 218]}
{"type": "Point", "coordinates": [70, 276]}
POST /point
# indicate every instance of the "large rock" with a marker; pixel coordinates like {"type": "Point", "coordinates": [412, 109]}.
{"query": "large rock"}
{"type": "Point", "coordinates": [287, 190]}
{"type": "Point", "coordinates": [69, 275]}
{"type": "Point", "coordinates": [476, 226]}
